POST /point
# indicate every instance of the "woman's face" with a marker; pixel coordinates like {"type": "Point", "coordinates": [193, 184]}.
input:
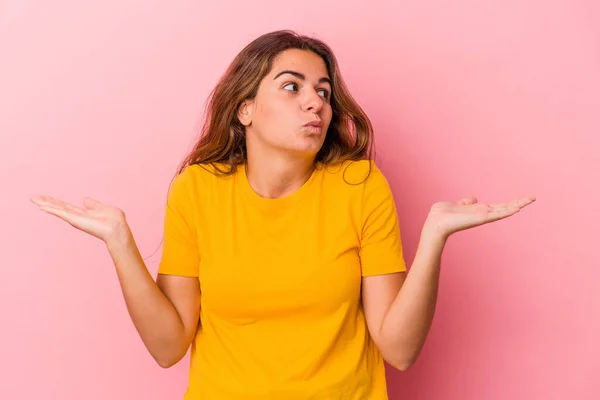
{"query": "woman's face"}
{"type": "Point", "coordinates": [294, 93]}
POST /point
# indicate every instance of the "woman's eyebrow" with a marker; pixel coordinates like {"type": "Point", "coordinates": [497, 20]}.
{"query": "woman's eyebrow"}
{"type": "Point", "coordinates": [301, 76]}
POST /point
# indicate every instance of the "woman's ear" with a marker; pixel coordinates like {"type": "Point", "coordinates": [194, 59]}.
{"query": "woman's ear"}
{"type": "Point", "coordinates": [244, 113]}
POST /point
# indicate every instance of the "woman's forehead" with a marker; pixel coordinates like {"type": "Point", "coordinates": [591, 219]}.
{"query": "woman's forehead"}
{"type": "Point", "coordinates": [304, 62]}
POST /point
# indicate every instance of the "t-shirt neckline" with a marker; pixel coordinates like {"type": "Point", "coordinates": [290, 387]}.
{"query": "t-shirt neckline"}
{"type": "Point", "coordinates": [277, 203]}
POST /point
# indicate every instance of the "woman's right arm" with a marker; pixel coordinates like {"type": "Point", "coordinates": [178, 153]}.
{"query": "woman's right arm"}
{"type": "Point", "coordinates": [166, 312]}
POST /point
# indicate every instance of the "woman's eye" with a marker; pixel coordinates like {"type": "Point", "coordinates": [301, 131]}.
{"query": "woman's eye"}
{"type": "Point", "coordinates": [325, 93]}
{"type": "Point", "coordinates": [292, 85]}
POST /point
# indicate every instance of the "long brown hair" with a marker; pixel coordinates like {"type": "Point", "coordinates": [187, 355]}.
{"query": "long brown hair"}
{"type": "Point", "coordinates": [222, 141]}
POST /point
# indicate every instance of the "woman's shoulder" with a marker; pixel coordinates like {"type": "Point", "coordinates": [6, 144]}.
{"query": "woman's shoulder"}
{"type": "Point", "coordinates": [196, 177]}
{"type": "Point", "coordinates": [205, 171]}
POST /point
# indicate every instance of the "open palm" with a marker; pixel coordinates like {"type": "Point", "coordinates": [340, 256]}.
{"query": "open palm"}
{"type": "Point", "coordinates": [450, 217]}
{"type": "Point", "coordinates": [95, 218]}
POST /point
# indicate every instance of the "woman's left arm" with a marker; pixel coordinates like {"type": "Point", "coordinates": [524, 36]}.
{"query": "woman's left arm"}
{"type": "Point", "coordinates": [399, 307]}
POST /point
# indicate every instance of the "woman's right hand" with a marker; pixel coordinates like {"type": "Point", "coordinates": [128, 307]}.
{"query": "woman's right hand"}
{"type": "Point", "coordinates": [95, 218]}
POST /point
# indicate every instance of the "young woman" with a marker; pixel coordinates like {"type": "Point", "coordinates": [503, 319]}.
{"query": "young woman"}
{"type": "Point", "coordinates": [282, 263]}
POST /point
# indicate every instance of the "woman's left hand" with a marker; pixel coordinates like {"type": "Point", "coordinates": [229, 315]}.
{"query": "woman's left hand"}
{"type": "Point", "coordinates": [448, 217]}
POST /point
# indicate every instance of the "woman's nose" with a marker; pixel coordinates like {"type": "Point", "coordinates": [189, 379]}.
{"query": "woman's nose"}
{"type": "Point", "coordinates": [313, 102]}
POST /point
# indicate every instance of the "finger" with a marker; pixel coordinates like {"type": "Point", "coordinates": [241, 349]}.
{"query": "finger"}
{"type": "Point", "coordinates": [90, 203]}
{"type": "Point", "coordinates": [45, 200]}
{"type": "Point", "coordinates": [49, 201]}
{"type": "Point", "coordinates": [500, 213]}
{"type": "Point", "coordinates": [67, 207]}
{"type": "Point", "coordinates": [59, 212]}
{"type": "Point", "coordinates": [39, 199]}
{"type": "Point", "coordinates": [522, 202]}
{"type": "Point", "coordinates": [72, 208]}
{"type": "Point", "coordinates": [468, 200]}
{"type": "Point", "coordinates": [526, 201]}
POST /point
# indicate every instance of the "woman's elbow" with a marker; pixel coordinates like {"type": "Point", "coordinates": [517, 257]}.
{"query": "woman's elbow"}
{"type": "Point", "coordinates": [401, 366]}
{"type": "Point", "coordinates": [168, 359]}
{"type": "Point", "coordinates": [166, 363]}
{"type": "Point", "coordinates": [400, 362]}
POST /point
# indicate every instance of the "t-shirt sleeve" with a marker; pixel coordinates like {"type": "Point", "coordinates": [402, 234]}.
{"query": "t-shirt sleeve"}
{"type": "Point", "coordinates": [381, 244]}
{"type": "Point", "coordinates": [180, 255]}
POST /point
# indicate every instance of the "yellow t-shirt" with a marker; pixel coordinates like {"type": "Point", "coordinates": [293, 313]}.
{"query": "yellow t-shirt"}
{"type": "Point", "coordinates": [280, 280]}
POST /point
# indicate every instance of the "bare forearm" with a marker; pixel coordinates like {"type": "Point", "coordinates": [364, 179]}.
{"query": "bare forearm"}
{"type": "Point", "coordinates": [408, 320]}
{"type": "Point", "coordinates": [152, 313]}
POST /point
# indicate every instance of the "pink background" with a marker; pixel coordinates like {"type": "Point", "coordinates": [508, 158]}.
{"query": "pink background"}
{"type": "Point", "coordinates": [495, 99]}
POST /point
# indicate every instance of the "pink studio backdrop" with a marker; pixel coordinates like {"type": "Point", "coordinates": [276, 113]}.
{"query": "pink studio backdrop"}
{"type": "Point", "coordinates": [495, 99]}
